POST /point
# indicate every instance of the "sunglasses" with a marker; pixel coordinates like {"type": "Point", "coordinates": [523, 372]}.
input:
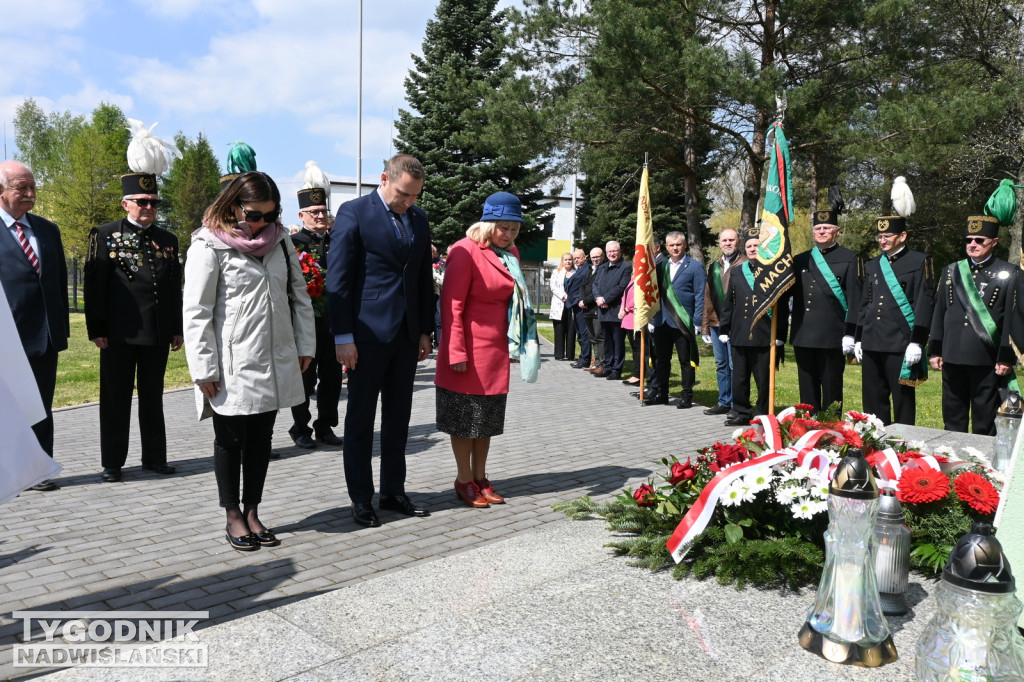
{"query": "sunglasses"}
{"type": "Point", "coordinates": [146, 203]}
{"type": "Point", "coordinates": [256, 216]}
{"type": "Point", "coordinates": [317, 212]}
{"type": "Point", "coordinates": [977, 240]}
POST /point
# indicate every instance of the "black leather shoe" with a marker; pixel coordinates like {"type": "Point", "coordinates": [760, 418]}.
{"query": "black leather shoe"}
{"type": "Point", "coordinates": [737, 420]}
{"type": "Point", "coordinates": [403, 505]}
{"type": "Point", "coordinates": [580, 364]}
{"type": "Point", "coordinates": [303, 441]}
{"type": "Point", "coordinates": [243, 543]}
{"type": "Point", "coordinates": [327, 437]}
{"type": "Point", "coordinates": [267, 538]}
{"type": "Point", "coordinates": [656, 400]}
{"type": "Point", "coordinates": [685, 404]}
{"type": "Point", "coordinates": [162, 469]}
{"type": "Point", "coordinates": [111, 475]}
{"type": "Point", "coordinates": [613, 376]}
{"type": "Point", "coordinates": [363, 514]}
{"type": "Point", "coordinates": [718, 409]}
{"type": "Point", "coordinates": [45, 486]}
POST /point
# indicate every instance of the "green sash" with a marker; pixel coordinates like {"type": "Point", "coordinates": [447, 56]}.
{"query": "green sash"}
{"type": "Point", "coordinates": [907, 374]}
{"type": "Point", "coordinates": [676, 311]}
{"type": "Point", "coordinates": [830, 278]}
{"type": "Point", "coordinates": [749, 276]}
{"type": "Point", "coordinates": [978, 307]}
{"type": "Point", "coordinates": [716, 283]}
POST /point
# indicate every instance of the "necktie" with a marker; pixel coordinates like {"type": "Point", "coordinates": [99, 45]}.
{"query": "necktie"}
{"type": "Point", "coordinates": [26, 246]}
{"type": "Point", "coordinates": [403, 231]}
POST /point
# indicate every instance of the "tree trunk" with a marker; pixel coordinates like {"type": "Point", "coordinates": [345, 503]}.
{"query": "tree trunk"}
{"type": "Point", "coordinates": [1016, 256]}
{"type": "Point", "coordinates": [814, 186]}
{"type": "Point", "coordinates": [752, 188]}
{"type": "Point", "coordinates": [693, 226]}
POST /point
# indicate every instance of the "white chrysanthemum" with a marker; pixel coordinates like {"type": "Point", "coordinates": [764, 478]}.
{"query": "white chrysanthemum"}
{"type": "Point", "coordinates": [758, 480]}
{"type": "Point", "coordinates": [819, 489]}
{"type": "Point", "coordinates": [733, 495]}
{"type": "Point", "coordinates": [915, 445]}
{"type": "Point", "coordinates": [789, 494]}
{"type": "Point", "coordinates": [944, 450]}
{"type": "Point", "coordinates": [877, 425]}
{"type": "Point", "coordinates": [802, 509]}
{"type": "Point", "coordinates": [819, 506]}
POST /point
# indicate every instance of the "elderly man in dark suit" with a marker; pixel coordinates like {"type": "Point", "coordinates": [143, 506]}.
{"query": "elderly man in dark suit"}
{"type": "Point", "coordinates": [35, 279]}
{"type": "Point", "coordinates": [133, 315]}
{"type": "Point", "coordinates": [379, 285]}
{"type": "Point", "coordinates": [609, 286]}
{"type": "Point", "coordinates": [681, 284]}
{"type": "Point", "coordinates": [574, 294]}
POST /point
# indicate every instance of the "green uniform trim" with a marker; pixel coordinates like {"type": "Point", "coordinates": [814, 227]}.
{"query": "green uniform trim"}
{"type": "Point", "coordinates": [830, 278]}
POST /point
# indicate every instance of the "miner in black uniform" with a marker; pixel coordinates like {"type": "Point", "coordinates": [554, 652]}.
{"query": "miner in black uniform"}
{"type": "Point", "coordinates": [970, 342]}
{"type": "Point", "coordinates": [826, 297]}
{"type": "Point", "coordinates": [750, 341]}
{"type": "Point", "coordinates": [315, 238]}
{"type": "Point", "coordinates": [133, 314]}
{"type": "Point", "coordinates": [893, 322]}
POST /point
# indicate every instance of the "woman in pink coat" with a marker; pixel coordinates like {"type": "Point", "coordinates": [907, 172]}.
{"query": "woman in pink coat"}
{"type": "Point", "coordinates": [478, 300]}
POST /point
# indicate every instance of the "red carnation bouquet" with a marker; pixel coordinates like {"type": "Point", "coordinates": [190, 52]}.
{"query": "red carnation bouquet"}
{"type": "Point", "coordinates": [314, 276]}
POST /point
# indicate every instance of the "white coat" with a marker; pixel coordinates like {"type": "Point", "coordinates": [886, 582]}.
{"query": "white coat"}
{"type": "Point", "coordinates": [241, 330]}
{"type": "Point", "coordinates": [557, 284]}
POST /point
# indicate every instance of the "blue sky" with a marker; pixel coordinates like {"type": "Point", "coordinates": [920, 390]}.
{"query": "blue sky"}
{"type": "Point", "coordinates": [280, 74]}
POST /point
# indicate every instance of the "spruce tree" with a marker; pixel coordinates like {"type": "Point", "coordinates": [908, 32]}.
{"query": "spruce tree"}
{"type": "Point", "coordinates": [191, 185]}
{"type": "Point", "coordinates": [463, 60]}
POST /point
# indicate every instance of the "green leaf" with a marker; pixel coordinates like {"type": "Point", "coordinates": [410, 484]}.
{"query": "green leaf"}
{"type": "Point", "coordinates": [733, 533]}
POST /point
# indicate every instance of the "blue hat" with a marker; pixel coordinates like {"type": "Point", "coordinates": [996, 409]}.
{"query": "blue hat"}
{"type": "Point", "coordinates": [502, 206]}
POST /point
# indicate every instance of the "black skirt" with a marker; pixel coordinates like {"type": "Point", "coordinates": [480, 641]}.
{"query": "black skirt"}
{"type": "Point", "coordinates": [470, 416]}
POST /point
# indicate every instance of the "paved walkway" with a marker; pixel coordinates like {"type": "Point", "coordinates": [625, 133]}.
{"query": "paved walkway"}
{"type": "Point", "coordinates": [156, 543]}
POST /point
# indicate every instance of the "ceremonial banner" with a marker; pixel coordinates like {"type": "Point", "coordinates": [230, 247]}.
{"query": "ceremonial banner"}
{"type": "Point", "coordinates": [773, 269]}
{"type": "Point", "coordinates": [645, 283]}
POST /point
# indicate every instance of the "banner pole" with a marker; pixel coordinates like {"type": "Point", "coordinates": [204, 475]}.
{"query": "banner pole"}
{"type": "Point", "coordinates": [771, 361]}
{"type": "Point", "coordinates": [643, 363]}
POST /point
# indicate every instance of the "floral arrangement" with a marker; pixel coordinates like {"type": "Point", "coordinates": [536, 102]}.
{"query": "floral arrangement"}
{"type": "Point", "coordinates": [314, 276]}
{"type": "Point", "coordinates": [437, 272]}
{"type": "Point", "coordinates": [755, 509]}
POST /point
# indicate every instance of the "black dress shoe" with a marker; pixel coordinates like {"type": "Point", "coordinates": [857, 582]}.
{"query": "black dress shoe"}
{"type": "Point", "coordinates": [737, 420]}
{"type": "Point", "coordinates": [685, 404]}
{"type": "Point", "coordinates": [45, 486]}
{"type": "Point", "coordinates": [162, 469]}
{"type": "Point", "coordinates": [327, 437]}
{"type": "Point", "coordinates": [656, 400]}
{"type": "Point", "coordinates": [303, 441]}
{"type": "Point", "coordinates": [267, 538]}
{"type": "Point", "coordinates": [111, 475]}
{"type": "Point", "coordinates": [243, 543]}
{"type": "Point", "coordinates": [363, 514]}
{"type": "Point", "coordinates": [613, 376]}
{"type": "Point", "coordinates": [580, 365]}
{"type": "Point", "coordinates": [403, 505]}
{"type": "Point", "coordinates": [718, 409]}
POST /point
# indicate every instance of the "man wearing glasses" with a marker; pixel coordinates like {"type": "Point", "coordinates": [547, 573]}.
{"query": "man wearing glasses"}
{"type": "Point", "coordinates": [893, 322]}
{"type": "Point", "coordinates": [968, 340]}
{"type": "Point", "coordinates": [315, 239]}
{"type": "Point", "coordinates": [132, 293]}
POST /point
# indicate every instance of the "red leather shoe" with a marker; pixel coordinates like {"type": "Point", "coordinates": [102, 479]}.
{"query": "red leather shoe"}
{"type": "Point", "coordinates": [470, 494]}
{"type": "Point", "coordinates": [487, 492]}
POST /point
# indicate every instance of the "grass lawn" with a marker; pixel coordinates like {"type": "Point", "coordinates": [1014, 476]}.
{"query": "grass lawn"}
{"type": "Point", "coordinates": [705, 392]}
{"type": "Point", "coordinates": [78, 369]}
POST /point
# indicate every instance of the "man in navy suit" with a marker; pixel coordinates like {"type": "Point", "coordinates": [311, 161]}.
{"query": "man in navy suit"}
{"type": "Point", "coordinates": [679, 318]}
{"type": "Point", "coordinates": [35, 279]}
{"type": "Point", "coordinates": [574, 294]}
{"type": "Point", "coordinates": [379, 285]}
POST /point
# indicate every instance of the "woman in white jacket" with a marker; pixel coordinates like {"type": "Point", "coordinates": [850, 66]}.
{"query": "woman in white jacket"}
{"type": "Point", "coordinates": [248, 336]}
{"type": "Point", "coordinates": [561, 317]}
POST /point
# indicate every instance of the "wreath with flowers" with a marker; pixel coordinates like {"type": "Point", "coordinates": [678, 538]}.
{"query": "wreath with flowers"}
{"type": "Point", "coordinates": [754, 510]}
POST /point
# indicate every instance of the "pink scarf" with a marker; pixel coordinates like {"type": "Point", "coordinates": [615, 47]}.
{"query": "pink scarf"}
{"type": "Point", "coordinates": [258, 246]}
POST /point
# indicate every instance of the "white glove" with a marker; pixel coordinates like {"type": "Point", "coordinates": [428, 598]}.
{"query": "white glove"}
{"type": "Point", "coordinates": [779, 343]}
{"type": "Point", "coordinates": [848, 345]}
{"type": "Point", "coordinates": [913, 354]}
{"type": "Point", "coordinates": [858, 352]}
{"type": "Point", "coordinates": [706, 338]}
{"type": "Point", "coordinates": [650, 327]}
{"type": "Point", "coordinates": [724, 338]}
{"type": "Point", "coordinates": [696, 330]}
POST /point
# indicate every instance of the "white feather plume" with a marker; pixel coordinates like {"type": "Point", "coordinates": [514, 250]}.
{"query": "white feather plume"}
{"type": "Point", "coordinates": [902, 197]}
{"type": "Point", "coordinates": [148, 153]}
{"type": "Point", "coordinates": [315, 177]}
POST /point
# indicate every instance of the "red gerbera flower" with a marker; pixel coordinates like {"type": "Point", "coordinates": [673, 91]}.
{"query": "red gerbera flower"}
{"type": "Point", "coordinates": [801, 426]}
{"type": "Point", "coordinates": [852, 438]}
{"type": "Point", "coordinates": [804, 406]}
{"type": "Point", "coordinates": [919, 485]}
{"type": "Point", "coordinates": [977, 492]}
{"type": "Point", "coordinates": [857, 416]}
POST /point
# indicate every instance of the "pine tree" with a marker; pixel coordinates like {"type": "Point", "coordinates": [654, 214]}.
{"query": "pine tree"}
{"type": "Point", "coordinates": [190, 186]}
{"type": "Point", "coordinates": [463, 60]}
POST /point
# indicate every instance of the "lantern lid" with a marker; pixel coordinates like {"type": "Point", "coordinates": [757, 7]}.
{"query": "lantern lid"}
{"type": "Point", "coordinates": [853, 478]}
{"type": "Point", "coordinates": [977, 563]}
{"type": "Point", "coordinates": [1012, 406]}
{"type": "Point", "coordinates": [889, 509]}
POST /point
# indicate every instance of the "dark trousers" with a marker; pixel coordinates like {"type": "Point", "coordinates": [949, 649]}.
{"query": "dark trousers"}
{"type": "Point", "coordinates": [970, 390]}
{"type": "Point", "coordinates": [325, 367]}
{"type": "Point", "coordinates": [44, 368]}
{"type": "Point", "coordinates": [665, 337]}
{"type": "Point", "coordinates": [820, 376]}
{"type": "Point", "coordinates": [634, 346]}
{"type": "Point", "coordinates": [387, 371]}
{"type": "Point", "coordinates": [565, 335]}
{"type": "Point", "coordinates": [241, 450]}
{"type": "Point", "coordinates": [880, 376]}
{"type": "Point", "coordinates": [579, 322]}
{"type": "Point", "coordinates": [124, 366]}
{"type": "Point", "coordinates": [596, 338]}
{"type": "Point", "coordinates": [614, 345]}
{"type": "Point", "coordinates": [747, 361]}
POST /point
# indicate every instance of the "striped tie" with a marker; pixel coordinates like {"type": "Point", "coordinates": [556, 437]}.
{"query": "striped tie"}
{"type": "Point", "coordinates": [26, 246]}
